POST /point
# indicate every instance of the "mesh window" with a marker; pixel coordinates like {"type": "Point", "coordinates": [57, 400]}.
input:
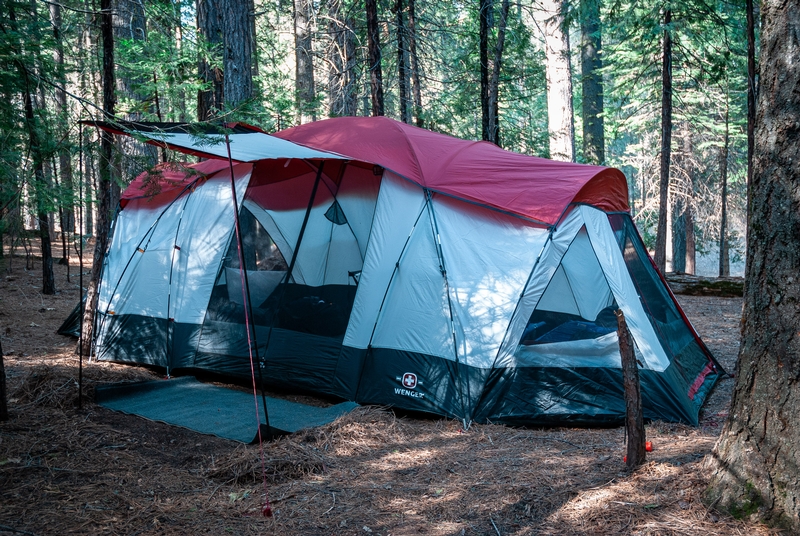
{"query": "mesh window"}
{"type": "Point", "coordinates": [673, 333]}
{"type": "Point", "coordinates": [577, 303]}
{"type": "Point", "coordinates": [266, 269]}
{"type": "Point", "coordinates": [318, 310]}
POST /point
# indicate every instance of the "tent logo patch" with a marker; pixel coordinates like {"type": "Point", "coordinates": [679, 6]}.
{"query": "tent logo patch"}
{"type": "Point", "coordinates": [409, 382]}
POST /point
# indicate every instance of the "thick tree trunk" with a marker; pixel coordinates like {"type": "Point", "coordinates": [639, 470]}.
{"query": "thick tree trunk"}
{"type": "Point", "coordinates": [209, 28]}
{"type": "Point", "coordinates": [493, 127]}
{"type": "Point", "coordinates": [755, 462]}
{"type": "Point", "coordinates": [305, 92]}
{"type": "Point", "coordinates": [660, 256]}
{"type": "Point", "coordinates": [592, 84]}
{"type": "Point", "coordinates": [374, 57]}
{"type": "Point", "coordinates": [403, 81]}
{"type": "Point", "coordinates": [724, 255]}
{"type": "Point", "coordinates": [558, 71]}
{"type": "Point", "coordinates": [237, 58]}
{"type": "Point", "coordinates": [341, 62]}
{"type": "Point", "coordinates": [106, 179]}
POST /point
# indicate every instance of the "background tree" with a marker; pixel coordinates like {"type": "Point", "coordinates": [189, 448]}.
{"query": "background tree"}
{"type": "Point", "coordinates": [374, 57]}
{"type": "Point", "coordinates": [559, 81]}
{"type": "Point", "coordinates": [304, 65]}
{"type": "Point", "coordinates": [757, 458]}
{"type": "Point", "coordinates": [592, 83]}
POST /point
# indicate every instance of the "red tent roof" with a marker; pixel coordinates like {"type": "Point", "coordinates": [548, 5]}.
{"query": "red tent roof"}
{"type": "Point", "coordinates": [476, 171]}
{"type": "Point", "coordinates": [169, 176]}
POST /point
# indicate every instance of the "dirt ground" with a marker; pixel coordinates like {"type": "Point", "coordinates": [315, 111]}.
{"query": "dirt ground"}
{"type": "Point", "coordinates": [65, 470]}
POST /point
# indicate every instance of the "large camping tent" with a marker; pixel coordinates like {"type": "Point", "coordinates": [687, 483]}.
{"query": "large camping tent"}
{"type": "Point", "coordinates": [391, 265]}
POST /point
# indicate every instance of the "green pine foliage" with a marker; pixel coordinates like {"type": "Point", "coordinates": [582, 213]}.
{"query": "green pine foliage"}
{"type": "Point", "coordinates": [157, 71]}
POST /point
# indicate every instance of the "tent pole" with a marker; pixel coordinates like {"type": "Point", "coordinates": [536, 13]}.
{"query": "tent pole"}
{"type": "Point", "coordinates": [81, 303]}
{"type": "Point", "coordinates": [443, 270]}
{"type": "Point", "coordinates": [248, 313]}
{"type": "Point", "coordinates": [293, 260]}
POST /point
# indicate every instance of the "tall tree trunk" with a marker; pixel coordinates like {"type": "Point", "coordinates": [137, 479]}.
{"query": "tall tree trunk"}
{"type": "Point", "coordinates": [688, 198]}
{"type": "Point", "coordinates": [666, 145]}
{"type": "Point", "coordinates": [305, 91]}
{"type": "Point", "coordinates": [558, 72]}
{"type": "Point", "coordinates": [592, 83]}
{"type": "Point", "coordinates": [486, 7]}
{"type": "Point", "coordinates": [414, 60]}
{"type": "Point", "coordinates": [130, 24]}
{"type": "Point", "coordinates": [106, 174]}
{"type": "Point", "coordinates": [403, 79]}
{"type": "Point", "coordinates": [493, 128]}
{"type": "Point", "coordinates": [752, 88]}
{"type": "Point", "coordinates": [724, 256]}
{"type": "Point", "coordinates": [39, 188]}
{"type": "Point", "coordinates": [341, 62]}
{"type": "Point", "coordinates": [374, 57]}
{"type": "Point", "coordinates": [210, 99]}
{"type": "Point", "coordinates": [755, 462]}
{"type": "Point", "coordinates": [237, 56]}
{"type": "Point", "coordinates": [64, 157]}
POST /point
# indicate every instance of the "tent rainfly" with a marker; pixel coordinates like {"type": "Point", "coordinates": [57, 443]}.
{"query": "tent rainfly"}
{"type": "Point", "coordinates": [391, 265]}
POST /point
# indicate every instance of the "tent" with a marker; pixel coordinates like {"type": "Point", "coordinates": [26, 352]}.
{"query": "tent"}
{"type": "Point", "coordinates": [391, 265]}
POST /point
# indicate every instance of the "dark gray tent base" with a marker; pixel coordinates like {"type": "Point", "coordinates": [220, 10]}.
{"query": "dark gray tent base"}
{"type": "Point", "coordinates": [209, 409]}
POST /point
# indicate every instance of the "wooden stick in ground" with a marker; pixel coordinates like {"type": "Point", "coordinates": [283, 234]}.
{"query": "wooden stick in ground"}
{"type": "Point", "coordinates": [3, 399]}
{"type": "Point", "coordinates": [634, 421]}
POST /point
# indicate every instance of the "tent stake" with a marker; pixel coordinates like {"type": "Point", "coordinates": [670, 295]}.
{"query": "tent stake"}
{"type": "Point", "coordinates": [81, 304]}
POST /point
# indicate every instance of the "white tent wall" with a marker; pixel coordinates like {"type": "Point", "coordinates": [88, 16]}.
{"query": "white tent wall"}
{"type": "Point", "coordinates": [488, 255]}
{"type": "Point", "coordinates": [143, 257]}
{"type": "Point", "coordinates": [399, 205]}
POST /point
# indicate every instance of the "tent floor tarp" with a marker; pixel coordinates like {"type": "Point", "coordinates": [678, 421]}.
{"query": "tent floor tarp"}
{"type": "Point", "coordinates": [214, 410]}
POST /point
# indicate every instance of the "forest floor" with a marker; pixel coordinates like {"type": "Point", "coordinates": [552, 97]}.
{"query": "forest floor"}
{"type": "Point", "coordinates": [65, 470]}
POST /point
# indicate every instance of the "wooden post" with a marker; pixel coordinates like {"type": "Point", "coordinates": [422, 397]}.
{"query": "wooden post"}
{"type": "Point", "coordinates": [3, 400]}
{"type": "Point", "coordinates": [634, 421]}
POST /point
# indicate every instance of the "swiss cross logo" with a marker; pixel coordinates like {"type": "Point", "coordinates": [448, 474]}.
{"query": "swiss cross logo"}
{"type": "Point", "coordinates": [409, 380]}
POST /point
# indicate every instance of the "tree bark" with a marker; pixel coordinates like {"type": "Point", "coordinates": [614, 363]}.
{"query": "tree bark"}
{"type": "Point", "coordinates": [374, 57]}
{"type": "Point", "coordinates": [660, 256]}
{"type": "Point", "coordinates": [592, 84]}
{"type": "Point", "coordinates": [209, 28]}
{"type": "Point", "coordinates": [102, 224]}
{"type": "Point", "coordinates": [752, 86]}
{"type": "Point", "coordinates": [67, 221]}
{"type": "Point", "coordinates": [634, 418]}
{"type": "Point", "coordinates": [755, 462]}
{"type": "Point", "coordinates": [484, 16]}
{"type": "Point", "coordinates": [237, 58]}
{"type": "Point", "coordinates": [403, 81]}
{"type": "Point", "coordinates": [341, 62]}
{"type": "Point", "coordinates": [558, 72]}
{"type": "Point", "coordinates": [724, 254]}
{"type": "Point", "coordinates": [305, 92]}
{"type": "Point", "coordinates": [493, 128]}
{"type": "Point", "coordinates": [415, 68]}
